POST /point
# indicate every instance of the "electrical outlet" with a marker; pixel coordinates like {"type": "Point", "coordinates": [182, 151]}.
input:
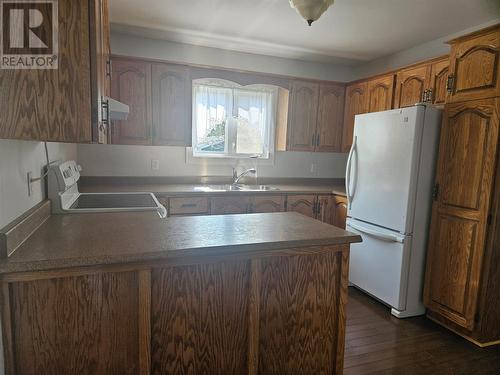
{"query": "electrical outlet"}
{"type": "Point", "coordinates": [155, 164]}
{"type": "Point", "coordinates": [313, 167]}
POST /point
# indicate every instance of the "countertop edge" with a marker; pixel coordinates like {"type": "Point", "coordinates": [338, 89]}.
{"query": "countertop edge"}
{"type": "Point", "coordinates": [245, 250]}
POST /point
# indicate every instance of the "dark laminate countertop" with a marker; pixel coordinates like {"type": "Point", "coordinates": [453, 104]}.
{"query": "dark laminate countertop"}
{"type": "Point", "coordinates": [110, 238]}
{"type": "Point", "coordinates": [173, 189]}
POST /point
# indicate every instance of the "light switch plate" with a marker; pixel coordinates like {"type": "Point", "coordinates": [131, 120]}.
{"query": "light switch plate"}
{"type": "Point", "coordinates": [155, 164]}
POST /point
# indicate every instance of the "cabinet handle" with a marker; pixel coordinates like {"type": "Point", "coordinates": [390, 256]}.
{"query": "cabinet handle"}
{"type": "Point", "coordinates": [188, 205]}
{"type": "Point", "coordinates": [450, 83]}
{"type": "Point", "coordinates": [108, 68]}
{"type": "Point", "coordinates": [424, 96]}
{"type": "Point", "coordinates": [105, 123]}
{"type": "Point", "coordinates": [317, 140]}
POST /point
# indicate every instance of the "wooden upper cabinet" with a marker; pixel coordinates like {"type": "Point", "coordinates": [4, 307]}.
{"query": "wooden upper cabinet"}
{"type": "Point", "coordinates": [464, 181]}
{"type": "Point", "coordinates": [381, 93]}
{"type": "Point", "coordinates": [171, 105]}
{"type": "Point", "coordinates": [303, 116]}
{"type": "Point", "coordinates": [438, 81]}
{"type": "Point", "coordinates": [131, 84]}
{"type": "Point", "coordinates": [304, 204]}
{"type": "Point", "coordinates": [330, 118]}
{"type": "Point", "coordinates": [267, 204]}
{"type": "Point", "coordinates": [356, 102]}
{"type": "Point", "coordinates": [411, 85]}
{"type": "Point", "coordinates": [53, 104]}
{"type": "Point", "coordinates": [474, 66]}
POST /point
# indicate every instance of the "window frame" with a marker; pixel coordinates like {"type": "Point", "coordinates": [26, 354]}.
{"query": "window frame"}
{"type": "Point", "coordinates": [269, 148]}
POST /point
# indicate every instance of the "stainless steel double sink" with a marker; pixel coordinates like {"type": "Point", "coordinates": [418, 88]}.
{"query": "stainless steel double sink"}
{"type": "Point", "coordinates": [238, 187]}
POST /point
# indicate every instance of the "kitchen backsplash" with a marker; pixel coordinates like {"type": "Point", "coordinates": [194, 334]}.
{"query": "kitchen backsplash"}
{"type": "Point", "coordinates": [116, 160]}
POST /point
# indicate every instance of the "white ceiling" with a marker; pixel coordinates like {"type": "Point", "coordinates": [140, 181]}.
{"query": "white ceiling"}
{"type": "Point", "coordinates": [351, 31]}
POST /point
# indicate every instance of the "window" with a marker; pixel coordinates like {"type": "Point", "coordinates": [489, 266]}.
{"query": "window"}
{"type": "Point", "coordinates": [232, 121]}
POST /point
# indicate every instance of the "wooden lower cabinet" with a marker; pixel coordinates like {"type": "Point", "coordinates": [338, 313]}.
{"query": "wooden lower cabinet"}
{"type": "Point", "coordinates": [303, 204]}
{"type": "Point", "coordinates": [265, 204]}
{"type": "Point", "coordinates": [229, 205]}
{"type": "Point", "coordinates": [73, 325]}
{"type": "Point", "coordinates": [203, 316]}
{"type": "Point", "coordinates": [339, 211]}
{"type": "Point", "coordinates": [324, 209]}
{"type": "Point", "coordinates": [198, 315]}
{"type": "Point", "coordinates": [188, 206]}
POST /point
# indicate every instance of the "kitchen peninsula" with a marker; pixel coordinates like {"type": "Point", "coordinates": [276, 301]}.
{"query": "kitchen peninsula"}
{"type": "Point", "coordinates": [129, 293]}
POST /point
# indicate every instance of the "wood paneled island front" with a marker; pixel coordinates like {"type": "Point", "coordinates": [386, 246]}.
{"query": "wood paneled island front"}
{"type": "Point", "coordinates": [130, 293]}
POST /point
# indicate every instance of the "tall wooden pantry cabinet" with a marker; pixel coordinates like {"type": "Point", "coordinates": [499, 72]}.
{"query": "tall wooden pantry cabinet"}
{"type": "Point", "coordinates": [463, 262]}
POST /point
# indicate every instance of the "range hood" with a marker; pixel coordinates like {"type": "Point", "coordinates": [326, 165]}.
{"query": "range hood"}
{"type": "Point", "coordinates": [117, 110]}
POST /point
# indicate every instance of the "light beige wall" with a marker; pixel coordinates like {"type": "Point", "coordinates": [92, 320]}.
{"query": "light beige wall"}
{"type": "Point", "coordinates": [117, 160]}
{"type": "Point", "coordinates": [17, 158]}
{"type": "Point", "coordinates": [425, 51]}
{"type": "Point", "coordinates": [139, 46]}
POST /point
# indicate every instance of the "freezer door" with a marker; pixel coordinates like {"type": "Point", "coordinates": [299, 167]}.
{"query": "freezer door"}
{"type": "Point", "coordinates": [379, 265]}
{"type": "Point", "coordinates": [383, 167]}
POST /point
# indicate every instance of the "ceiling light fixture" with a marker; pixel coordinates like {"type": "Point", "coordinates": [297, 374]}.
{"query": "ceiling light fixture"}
{"type": "Point", "coordinates": [311, 10]}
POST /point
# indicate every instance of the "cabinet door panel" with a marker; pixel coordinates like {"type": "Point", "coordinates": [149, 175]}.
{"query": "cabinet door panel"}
{"type": "Point", "coordinates": [381, 93]}
{"type": "Point", "coordinates": [339, 211]}
{"type": "Point", "coordinates": [199, 316]}
{"type": "Point", "coordinates": [304, 204]}
{"type": "Point", "coordinates": [52, 104]}
{"type": "Point", "coordinates": [76, 325]}
{"type": "Point", "coordinates": [229, 205]}
{"type": "Point", "coordinates": [476, 67]}
{"type": "Point", "coordinates": [171, 105]}
{"type": "Point", "coordinates": [131, 84]}
{"type": "Point", "coordinates": [325, 209]}
{"type": "Point", "coordinates": [410, 86]}
{"type": "Point", "coordinates": [356, 102]}
{"type": "Point", "coordinates": [330, 118]}
{"type": "Point", "coordinates": [464, 176]}
{"type": "Point", "coordinates": [268, 204]}
{"type": "Point", "coordinates": [439, 78]}
{"type": "Point", "coordinates": [303, 116]}
{"type": "Point", "coordinates": [300, 321]}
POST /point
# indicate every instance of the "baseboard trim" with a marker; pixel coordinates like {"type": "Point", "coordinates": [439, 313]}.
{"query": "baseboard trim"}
{"type": "Point", "coordinates": [468, 338]}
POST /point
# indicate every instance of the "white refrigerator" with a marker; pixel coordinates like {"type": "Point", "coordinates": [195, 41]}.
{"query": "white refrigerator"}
{"type": "Point", "coordinates": [389, 184]}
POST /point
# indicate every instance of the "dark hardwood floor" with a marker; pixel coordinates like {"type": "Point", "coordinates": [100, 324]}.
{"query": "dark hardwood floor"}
{"type": "Point", "coordinates": [378, 343]}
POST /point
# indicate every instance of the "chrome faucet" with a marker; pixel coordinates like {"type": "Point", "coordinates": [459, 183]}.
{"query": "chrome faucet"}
{"type": "Point", "coordinates": [237, 178]}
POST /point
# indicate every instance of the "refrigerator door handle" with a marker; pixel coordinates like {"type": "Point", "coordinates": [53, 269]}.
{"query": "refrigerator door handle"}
{"type": "Point", "coordinates": [374, 233]}
{"type": "Point", "coordinates": [348, 172]}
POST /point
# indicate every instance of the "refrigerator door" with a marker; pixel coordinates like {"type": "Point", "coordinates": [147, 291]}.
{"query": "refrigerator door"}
{"type": "Point", "coordinates": [383, 167]}
{"type": "Point", "coordinates": [379, 264]}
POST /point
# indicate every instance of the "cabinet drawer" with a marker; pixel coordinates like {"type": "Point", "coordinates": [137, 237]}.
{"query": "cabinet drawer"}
{"type": "Point", "coordinates": [185, 206]}
{"type": "Point", "coordinates": [229, 205]}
